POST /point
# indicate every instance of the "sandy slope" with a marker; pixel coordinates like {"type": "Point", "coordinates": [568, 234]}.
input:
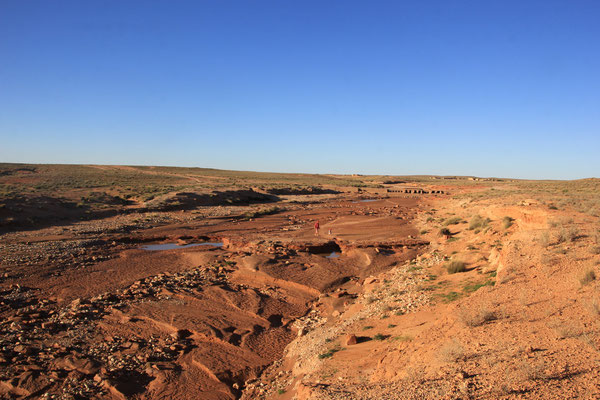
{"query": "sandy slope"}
{"type": "Point", "coordinates": [521, 322]}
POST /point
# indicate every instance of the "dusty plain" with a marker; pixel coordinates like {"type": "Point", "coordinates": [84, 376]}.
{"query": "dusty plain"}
{"type": "Point", "coordinates": [415, 287]}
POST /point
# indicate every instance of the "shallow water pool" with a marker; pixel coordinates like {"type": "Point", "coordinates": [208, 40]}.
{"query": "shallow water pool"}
{"type": "Point", "coordinates": [171, 246]}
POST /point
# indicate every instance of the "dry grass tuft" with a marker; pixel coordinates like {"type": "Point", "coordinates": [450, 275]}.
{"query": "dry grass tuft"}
{"type": "Point", "coordinates": [507, 222]}
{"type": "Point", "coordinates": [477, 222]}
{"type": "Point", "coordinates": [478, 317]}
{"type": "Point", "coordinates": [452, 221]}
{"type": "Point", "coordinates": [445, 232]}
{"type": "Point", "coordinates": [452, 351]}
{"type": "Point", "coordinates": [561, 236]}
{"type": "Point", "coordinates": [588, 276]}
{"type": "Point", "coordinates": [532, 371]}
{"type": "Point", "coordinates": [572, 234]}
{"type": "Point", "coordinates": [566, 330]}
{"type": "Point", "coordinates": [454, 267]}
{"type": "Point", "coordinates": [544, 239]}
{"type": "Point", "coordinates": [593, 307]}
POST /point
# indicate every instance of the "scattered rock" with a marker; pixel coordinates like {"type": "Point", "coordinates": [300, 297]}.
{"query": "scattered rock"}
{"type": "Point", "coordinates": [370, 280]}
{"type": "Point", "coordinates": [350, 340]}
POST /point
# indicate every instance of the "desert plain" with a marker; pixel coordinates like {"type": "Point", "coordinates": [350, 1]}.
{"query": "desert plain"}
{"type": "Point", "coordinates": [124, 282]}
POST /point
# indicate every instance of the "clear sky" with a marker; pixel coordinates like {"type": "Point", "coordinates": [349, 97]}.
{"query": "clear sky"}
{"type": "Point", "coordinates": [488, 88]}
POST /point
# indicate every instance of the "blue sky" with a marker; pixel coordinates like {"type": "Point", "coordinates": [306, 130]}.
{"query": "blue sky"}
{"type": "Point", "coordinates": [487, 88]}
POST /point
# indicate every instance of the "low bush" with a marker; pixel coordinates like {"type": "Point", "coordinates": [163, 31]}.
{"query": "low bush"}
{"type": "Point", "coordinates": [478, 317]}
{"type": "Point", "coordinates": [477, 222]}
{"type": "Point", "coordinates": [572, 234]}
{"type": "Point", "coordinates": [452, 351]}
{"type": "Point", "coordinates": [452, 221]}
{"type": "Point", "coordinates": [588, 276]}
{"type": "Point", "coordinates": [545, 239]}
{"type": "Point", "coordinates": [456, 266]}
{"type": "Point", "coordinates": [445, 232]}
{"type": "Point", "coordinates": [507, 222]}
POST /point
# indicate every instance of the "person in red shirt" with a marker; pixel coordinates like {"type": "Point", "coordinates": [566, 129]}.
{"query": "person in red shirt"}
{"type": "Point", "coordinates": [317, 228]}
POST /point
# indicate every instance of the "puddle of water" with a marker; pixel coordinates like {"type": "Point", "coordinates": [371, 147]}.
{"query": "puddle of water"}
{"type": "Point", "coordinates": [171, 246]}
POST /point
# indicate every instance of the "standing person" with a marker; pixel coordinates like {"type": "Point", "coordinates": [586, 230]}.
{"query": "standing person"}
{"type": "Point", "coordinates": [317, 228]}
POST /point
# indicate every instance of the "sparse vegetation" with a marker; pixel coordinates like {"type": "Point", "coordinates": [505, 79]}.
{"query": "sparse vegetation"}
{"type": "Point", "coordinates": [473, 287]}
{"type": "Point", "coordinates": [330, 353]}
{"type": "Point", "coordinates": [402, 338]}
{"type": "Point", "coordinates": [261, 212]}
{"type": "Point", "coordinates": [450, 297]}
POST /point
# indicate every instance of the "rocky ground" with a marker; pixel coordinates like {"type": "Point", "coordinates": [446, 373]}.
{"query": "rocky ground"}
{"type": "Point", "coordinates": [481, 294]}
{"type": "Point", "coordinates": [87, 313]}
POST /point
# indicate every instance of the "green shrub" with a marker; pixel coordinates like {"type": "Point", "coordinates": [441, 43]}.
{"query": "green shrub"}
{"type": "Point", "coordinates": [264, 211]}
{"type": "Point", "coordinates": [330, 353]}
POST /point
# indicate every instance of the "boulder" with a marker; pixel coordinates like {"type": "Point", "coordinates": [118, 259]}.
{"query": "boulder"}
{"type": "Point", "coordinates": [84, 365]}
{"type": "Point", "coordinates": [350, 340]}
